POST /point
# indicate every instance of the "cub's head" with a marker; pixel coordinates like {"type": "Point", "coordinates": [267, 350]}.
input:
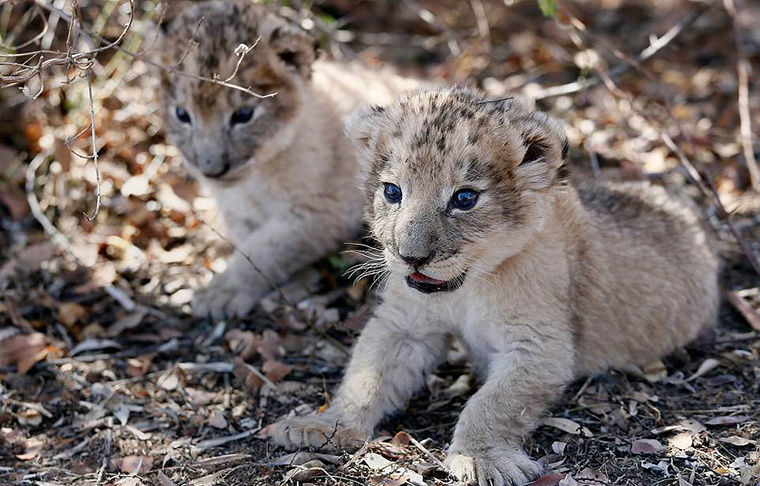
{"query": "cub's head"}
{"type": "Point", "coordinates": [455, 183]}
{"type": "Point", "coordinates": [221, 130]}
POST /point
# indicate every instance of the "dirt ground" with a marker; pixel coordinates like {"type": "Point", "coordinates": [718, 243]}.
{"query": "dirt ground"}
{"type": "Point", "coordinates": [107, 378]}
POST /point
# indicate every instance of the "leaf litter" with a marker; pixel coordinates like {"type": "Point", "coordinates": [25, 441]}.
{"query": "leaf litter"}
{"type": "Point", "coordinates": [105, 377]}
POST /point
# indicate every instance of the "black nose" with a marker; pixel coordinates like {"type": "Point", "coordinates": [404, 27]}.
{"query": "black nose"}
{"type": "Point", "coordinates": [417, 262]}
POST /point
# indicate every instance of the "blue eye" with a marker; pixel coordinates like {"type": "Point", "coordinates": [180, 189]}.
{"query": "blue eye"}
{"type": "Point", "coordinates": [242, 115]}
{"type": "Point", "coordinates": [464, 199]}
{"type": "Point", "coordinates": [392, 192]}
{"type": "Point", "coordinates": [182, 114]}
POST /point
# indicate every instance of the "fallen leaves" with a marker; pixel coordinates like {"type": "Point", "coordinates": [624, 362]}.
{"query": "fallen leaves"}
{"type": "Point", "coordinates": [136, 464]}
{"type": "Point", "coordinates": [33, 448]}
{"type": "Point", "coordinates": [647, 446]}
{"type": "Point", "coordinates": [23, 350]}
{"type": "Point", "coordinates": [567, 425]}
{"type": "Point", "coordinates": [70, 313]}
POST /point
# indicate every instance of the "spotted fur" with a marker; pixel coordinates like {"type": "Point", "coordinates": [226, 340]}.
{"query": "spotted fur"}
{"type": "Point", "coordinates": [285, 180]}
{"type": "Point", "coordinates": [556, 281]}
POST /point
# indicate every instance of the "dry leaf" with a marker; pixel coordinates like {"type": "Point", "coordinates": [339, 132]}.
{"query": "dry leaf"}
{"type": "Point", "coordinates": [647, 446]}
{"type": "Point", "coordinates": [567, 425]}
{"type": "Point", "coordinates": [276, 370]}
{"type": "Point", "coordinates": [727, 420]}
{"type": "Point", "coordinates": [33, 449]}
{"type": "Point", "coordinates": [682, 440]}
{"type": "Point", "coordinates": [738, 441]}
{"type": "Point", "coordinates": [241, 342]}
{"type": "Point", "coordinates": [136, 464]}
{"type": "Point", "coordinates": [268, 345]}
{"type": "Point", "coordinates": [23, 350]}
{"type": "Point", "coordinates": [401, 439]}
{"type": "Point", "coordinates": [591, 477]}
{"type": "Point", "coordinates": [69, 313]}
{"type": "Point", "coordinates": [707, 366]}
{"type": "Point", "coordinates": [548, 480]}
{"type": "Point", "coordinates": [248, 375]}
{"type": "Point", "coordinates": [217, 420]}
{"type": "Point", "coordinates": [202, 397]}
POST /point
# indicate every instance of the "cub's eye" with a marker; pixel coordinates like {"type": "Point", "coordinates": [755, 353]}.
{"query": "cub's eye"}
{"type": "Point", "coordinates": [464, 199]}
{"type": "Point", "coordinates": [392, 192]}
{"type": "Point", "coordinates": [242, 115]}
{"type": "Point", "coordinates": [182, 114]}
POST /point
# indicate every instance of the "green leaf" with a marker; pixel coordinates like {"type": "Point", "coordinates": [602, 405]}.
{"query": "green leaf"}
{"type": "Point", "coordinates": [548, 7]}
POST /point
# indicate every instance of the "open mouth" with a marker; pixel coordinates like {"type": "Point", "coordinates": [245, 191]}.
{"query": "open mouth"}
{"type": "Point", "coordinates": [428, 285]}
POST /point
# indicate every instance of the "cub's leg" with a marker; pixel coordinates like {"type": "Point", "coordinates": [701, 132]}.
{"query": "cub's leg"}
{"type": "Point", "coordinates": [278, 248]}
{"type": "Point", "coordinates": [522, 381]}
{"type": "Point", "coordinates": [389, 363]}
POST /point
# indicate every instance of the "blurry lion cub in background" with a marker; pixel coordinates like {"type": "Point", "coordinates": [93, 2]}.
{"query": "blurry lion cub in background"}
{"type": "Point", "coordinates": [280, 168]}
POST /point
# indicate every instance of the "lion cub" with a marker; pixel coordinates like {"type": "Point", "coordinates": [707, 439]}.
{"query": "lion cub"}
{"type": "Point", "coordinates": [281, 170]}
{"type": "Point", "coordinates": [541, 281]}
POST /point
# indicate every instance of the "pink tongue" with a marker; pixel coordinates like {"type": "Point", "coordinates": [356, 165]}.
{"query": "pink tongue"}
{"type": "Point", "coordinates": [418, 277]}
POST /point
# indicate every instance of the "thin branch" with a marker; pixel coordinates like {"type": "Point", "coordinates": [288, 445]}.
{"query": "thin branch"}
{"type": "Point", "coordinates": [94, 150]}
{"type": "Point", "coordinates": [241, 51]}
{"type": "Point", "coordinates": [644, 55]}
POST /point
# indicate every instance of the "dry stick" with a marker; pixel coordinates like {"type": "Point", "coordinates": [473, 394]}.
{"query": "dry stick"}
{"type": "Point", "coordinates": [654, 48]}
{"type": "Point", "coordinates": [94, 150]}
{"type": "Point", "coordinates": [742, 77]}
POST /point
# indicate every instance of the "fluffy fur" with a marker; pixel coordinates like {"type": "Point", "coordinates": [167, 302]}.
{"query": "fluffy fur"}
{"type": "Point", "coordinates": [285, 179]}
{"type": "Point", "coordinates": [556, 281]}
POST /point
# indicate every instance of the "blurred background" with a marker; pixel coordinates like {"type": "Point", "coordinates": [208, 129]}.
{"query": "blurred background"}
{"type": "Point", "coordinates": [106, 377]}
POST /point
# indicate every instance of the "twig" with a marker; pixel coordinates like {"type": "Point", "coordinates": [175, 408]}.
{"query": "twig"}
{"type": "Point", "coordinates": [241, 51]}
{"type": "Point", "coordinates": [209, 443]}
{"type": "Point", "coordinates": [742, 77]}
{"type": "Point", "coordinates": [94, 150]}
{"type": "Point", "coordinates": [644, 55]}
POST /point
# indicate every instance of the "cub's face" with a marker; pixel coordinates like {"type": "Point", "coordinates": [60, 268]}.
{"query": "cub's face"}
{"type": "Point", "coordinates": [455, 185]}
{"type": "Point", "coordinates": [221, 131]}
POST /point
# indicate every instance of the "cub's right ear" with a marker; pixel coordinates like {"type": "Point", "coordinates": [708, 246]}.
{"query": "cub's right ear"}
{"type": "Point", "coordinates": [363, 123]}
{"type": "Point", "coordinates": [361, 128]}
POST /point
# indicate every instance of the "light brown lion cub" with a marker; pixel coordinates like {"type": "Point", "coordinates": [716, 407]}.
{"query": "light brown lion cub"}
{"type": "Point", "coordinates": [281, 170]}
{"type": "Point", "coordinates": [541, 281]}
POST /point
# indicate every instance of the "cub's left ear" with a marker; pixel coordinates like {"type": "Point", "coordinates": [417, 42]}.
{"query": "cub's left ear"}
{"type": "Point", "coordinates": [544, 146]}
{"type": "Point", "coordinates": [294, 47]}
{"type": "Point", "coordinates": [361, 128]}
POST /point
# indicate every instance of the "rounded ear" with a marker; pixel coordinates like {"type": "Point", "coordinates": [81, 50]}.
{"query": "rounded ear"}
{"type": "Point", "coordinates": [361, 127]}
{"type": "Point", "coordinates": [293, 47]}
{"type": "Point", "coordinates": [545, 148]}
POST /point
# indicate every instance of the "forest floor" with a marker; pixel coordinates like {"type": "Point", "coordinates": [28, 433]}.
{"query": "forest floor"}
{"type": "Point", "coordinates": [107, 378]}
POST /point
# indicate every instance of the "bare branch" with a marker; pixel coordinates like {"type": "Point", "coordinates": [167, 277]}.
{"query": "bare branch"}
{"type": "Point", "coordinates": [94, 151]}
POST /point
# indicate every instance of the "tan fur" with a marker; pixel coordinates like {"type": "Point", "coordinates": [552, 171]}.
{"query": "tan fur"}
{"type": "Point", "coordinates": [559, 281]}
{"type": "Point", "coordinates": [285, 181]}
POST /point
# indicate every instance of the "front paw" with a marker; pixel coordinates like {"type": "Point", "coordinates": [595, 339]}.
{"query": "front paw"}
{"type": "Point", "coordinates": [226, 297]}
{"type": "Point", "coordinates": [322, 432]}
{"type": "Point", "coordinates": [493, 466]}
